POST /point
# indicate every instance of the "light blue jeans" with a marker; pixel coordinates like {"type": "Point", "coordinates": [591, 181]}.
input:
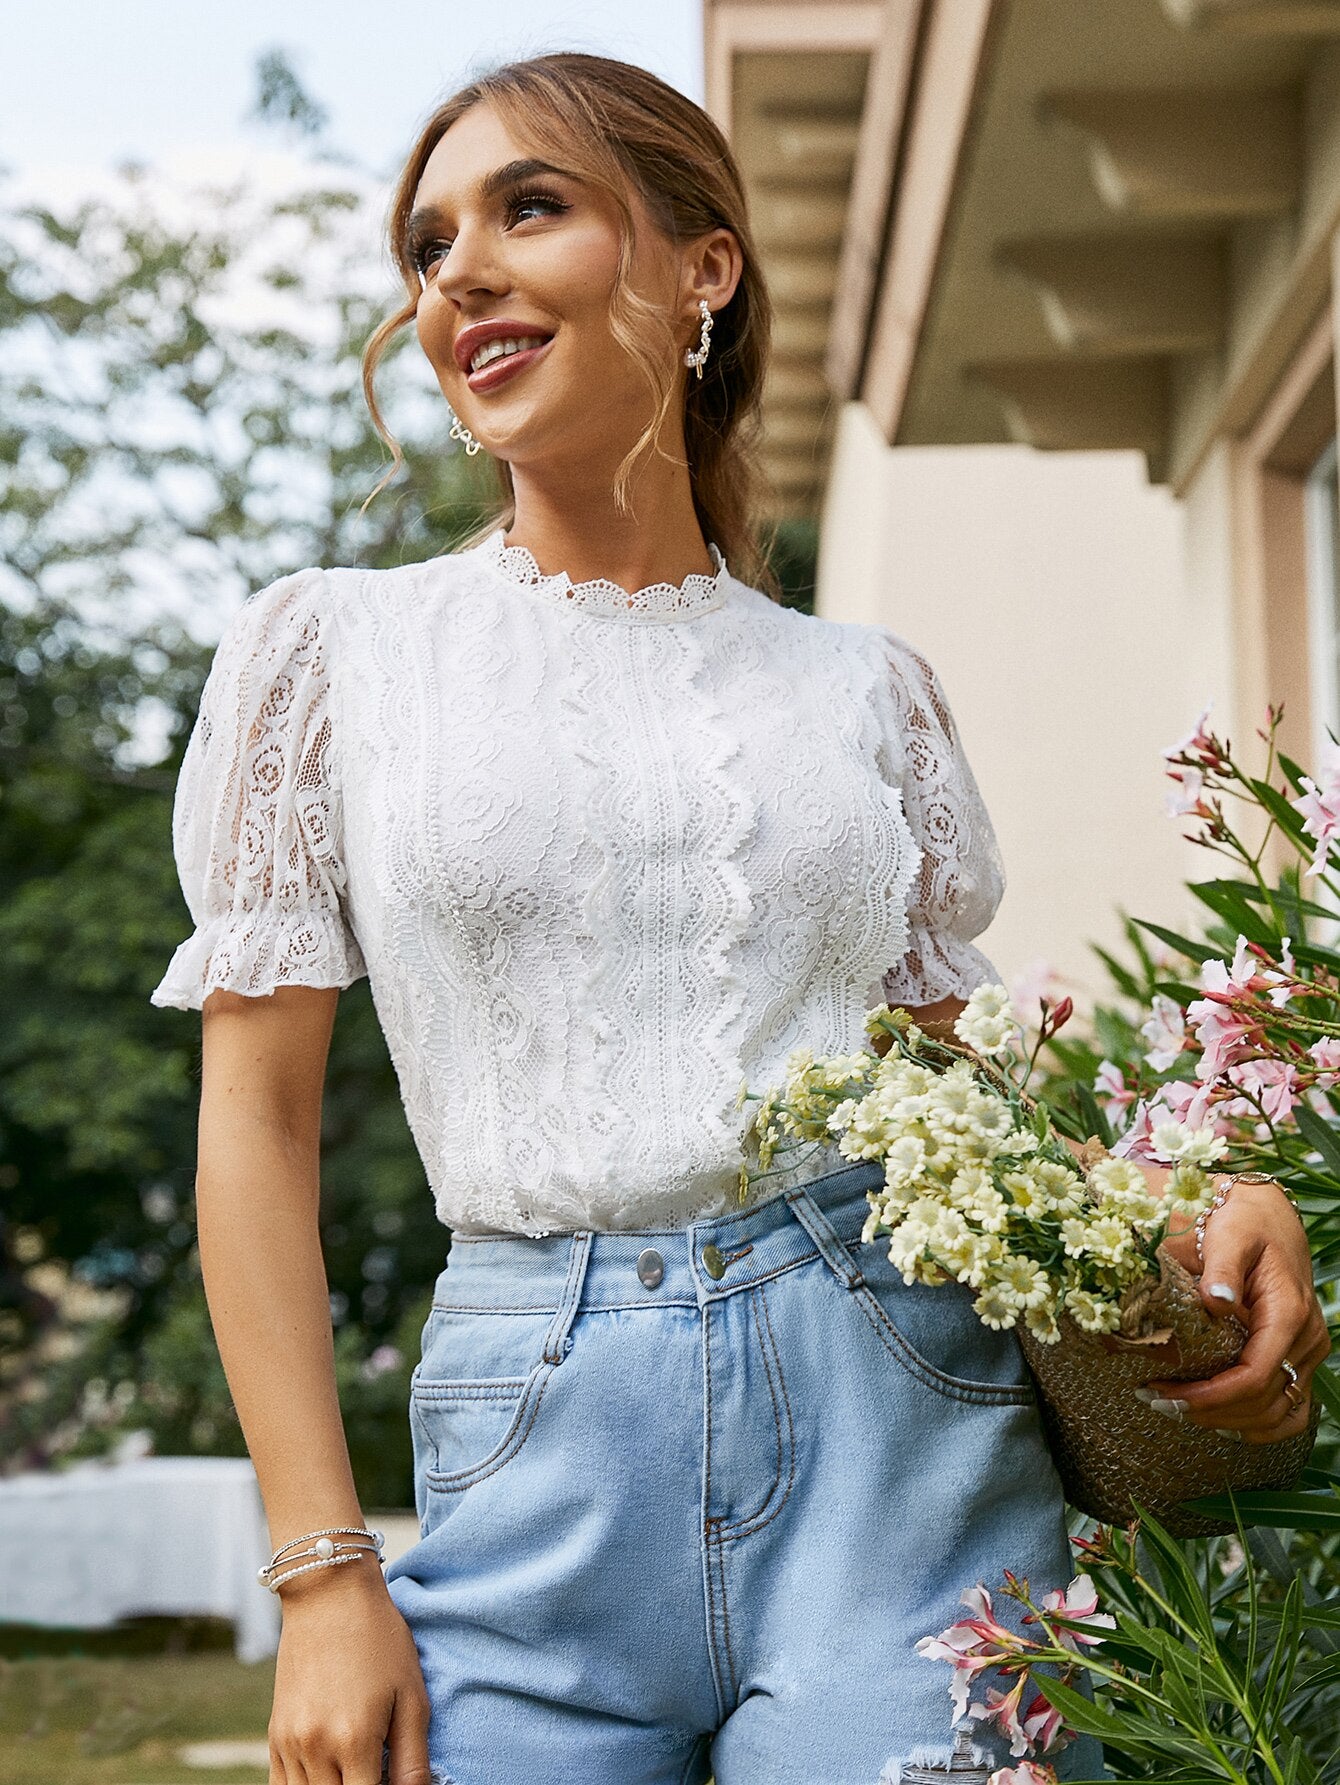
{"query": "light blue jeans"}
{"type": "Point", "coordinates": [688, 1499]}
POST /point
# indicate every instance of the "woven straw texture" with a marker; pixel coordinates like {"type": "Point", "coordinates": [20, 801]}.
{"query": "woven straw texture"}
{"type": "Point", "coordinates": [1111, 1449]}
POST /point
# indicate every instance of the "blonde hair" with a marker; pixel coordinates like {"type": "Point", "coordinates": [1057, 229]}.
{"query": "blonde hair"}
{"type": "Point", "coordinates": [614, 124]}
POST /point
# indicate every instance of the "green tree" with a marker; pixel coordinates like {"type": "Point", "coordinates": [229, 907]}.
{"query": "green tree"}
{"type": "Point", "coordinates": [181, 423]}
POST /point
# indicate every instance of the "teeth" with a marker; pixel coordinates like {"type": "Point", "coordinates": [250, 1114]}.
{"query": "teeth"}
{"type": "Point", "coordinates": [499, 349]}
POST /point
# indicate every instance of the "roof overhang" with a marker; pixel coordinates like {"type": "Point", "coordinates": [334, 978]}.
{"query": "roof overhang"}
{"type": "Point", "coordinates": [1104, 225]}
{"type": "Point", "coordinates": [788, 84]}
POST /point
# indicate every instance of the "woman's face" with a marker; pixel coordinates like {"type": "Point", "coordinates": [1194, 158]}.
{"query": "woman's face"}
{"type": "Point", "coordinates": [512, 249]}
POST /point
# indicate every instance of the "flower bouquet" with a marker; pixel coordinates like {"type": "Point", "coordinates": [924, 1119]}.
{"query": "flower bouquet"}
{"type": "Point", "coordinates": [980, 1188]}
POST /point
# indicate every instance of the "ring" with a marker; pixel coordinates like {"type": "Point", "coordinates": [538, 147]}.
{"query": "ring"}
{"type": "Point", "coordinates": [1292, 1393]}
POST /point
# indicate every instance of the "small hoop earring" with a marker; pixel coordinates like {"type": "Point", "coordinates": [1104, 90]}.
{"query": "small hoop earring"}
{"type": "Point", "coordinates": [464, 435]}
{"type": "Point", "coordinates": [697, 356]}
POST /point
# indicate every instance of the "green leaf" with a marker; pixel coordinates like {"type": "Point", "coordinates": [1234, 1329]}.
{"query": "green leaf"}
{"type": "Point", "coordinates": [1095, 1119]}
{"type": "Point", "coordinates": [1319, 1134]}
{"type": "Point", "coordinates": [1285, 1511]}
{"type": "Point", "coordinates": [1225, 899]}
{"type": "Point", "coordinates": [1327, 1389]}
{"type": "Point", "coordinates": [1195, 951]}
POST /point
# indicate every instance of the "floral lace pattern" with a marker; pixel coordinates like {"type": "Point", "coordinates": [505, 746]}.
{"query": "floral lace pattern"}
{"type": "Point", "coordinates": [596, 874]}
{"type": "Point", "coordinates": [961, 880]}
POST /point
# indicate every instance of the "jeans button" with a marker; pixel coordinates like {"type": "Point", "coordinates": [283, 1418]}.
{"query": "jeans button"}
{"type": "Point", "coordinates": [713, 1263]}
{"type": "Point", "coordinates": [650, 1267]}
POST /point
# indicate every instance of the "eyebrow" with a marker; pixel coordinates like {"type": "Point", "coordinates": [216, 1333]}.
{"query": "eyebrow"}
{"type": "Point", "coordinates": [511, 173]}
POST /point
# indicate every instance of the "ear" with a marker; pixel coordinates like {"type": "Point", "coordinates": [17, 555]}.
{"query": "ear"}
{"type": "Point", "coordinates": [711, 269]}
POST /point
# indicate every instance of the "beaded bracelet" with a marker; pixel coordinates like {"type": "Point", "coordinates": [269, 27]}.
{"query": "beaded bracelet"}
{"type": "Point", "coordinates": [1220, 1197]}
{"type": "Point", "coordinates": [328, 1554]}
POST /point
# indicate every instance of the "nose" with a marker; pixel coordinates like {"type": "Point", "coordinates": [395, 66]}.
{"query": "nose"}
{"type": "Point", "coordinates": [468, 268]}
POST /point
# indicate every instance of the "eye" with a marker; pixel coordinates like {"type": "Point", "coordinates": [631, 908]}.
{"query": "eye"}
{"type": "Point", "coordinates": [546, 202]}
{"type": "Point", "coordinates": [426, 254]}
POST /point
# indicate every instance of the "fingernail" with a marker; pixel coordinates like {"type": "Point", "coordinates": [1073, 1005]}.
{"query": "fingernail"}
{"type": "Point", "coordinates": [1174, 1409]}
{"type": "Point", "coordinates": [1223, 1292]}
{"type": "Point", "coordinates": [1229, 1432]}
{"type": "Point", "coordinates": [1143, 1394]}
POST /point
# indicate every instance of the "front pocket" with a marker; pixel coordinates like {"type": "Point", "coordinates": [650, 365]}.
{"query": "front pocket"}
{"type": "Point", "coordinates": [475, 1392]}
{"type": "Point", "coordinates": [932, 1331]}
{"type": "Point", "coordinates": [469, 1429]}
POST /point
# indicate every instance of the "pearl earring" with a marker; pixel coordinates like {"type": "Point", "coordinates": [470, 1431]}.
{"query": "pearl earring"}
{"type": "Point", "coordinates": [696, 357]}
{"type": "Point", "coordinates": [464, 435]}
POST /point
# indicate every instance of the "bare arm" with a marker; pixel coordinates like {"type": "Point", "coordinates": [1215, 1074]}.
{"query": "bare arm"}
{"type": "Point", "coordinates": [347, 1674]}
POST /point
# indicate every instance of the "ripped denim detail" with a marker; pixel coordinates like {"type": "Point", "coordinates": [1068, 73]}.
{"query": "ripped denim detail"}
{"type": "Point", "coordinates": [932, 1763]}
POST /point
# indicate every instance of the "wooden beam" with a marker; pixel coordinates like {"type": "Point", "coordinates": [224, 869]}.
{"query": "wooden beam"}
{"type": "Point", "coordinates": [877, 156]}
{"type": "Point", "coordinates": [1279, 18]}
{"type": "Point", "coordinates": [782, 217]}
{"type": "Point", "coordinates": [1188, 153]}
{"type": "Point", "coordinates": [952, 62]}
{"type": "Point", "coordinates": [1126, 294]}
{"type": "Point", "coordinates": [1074, 405]}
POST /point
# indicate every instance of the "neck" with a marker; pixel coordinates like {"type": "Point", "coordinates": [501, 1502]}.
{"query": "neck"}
{"type": "Point", "coordinates": [570, 523]}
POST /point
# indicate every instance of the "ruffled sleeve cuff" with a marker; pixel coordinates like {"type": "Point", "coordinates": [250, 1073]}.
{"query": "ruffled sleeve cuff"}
{"type": "Point", "coordinates": [255, 955]}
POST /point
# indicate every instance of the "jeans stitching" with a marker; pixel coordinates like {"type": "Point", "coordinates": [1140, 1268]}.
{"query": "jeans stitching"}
{"type": "Point", "coordinates": [956, 1388]}
{"type": "Point", "coordinates": [456, 1481]}
{"type": "Point", "coordinates": [714, 1640]}
{"type": "Point", "coordinates": [759, 1522]}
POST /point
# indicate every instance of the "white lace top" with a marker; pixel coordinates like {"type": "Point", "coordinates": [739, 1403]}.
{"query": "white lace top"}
{"type": "Point", "coordinates": [601, 857]}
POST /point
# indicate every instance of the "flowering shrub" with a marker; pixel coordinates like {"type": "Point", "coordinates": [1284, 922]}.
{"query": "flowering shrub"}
{"type": "Point", "coordinates": [980, 1642]}
{"type": "Point", "coordinates": [1238, 1040]}
{"type": "Point", "coordinates": [1195, 1677]}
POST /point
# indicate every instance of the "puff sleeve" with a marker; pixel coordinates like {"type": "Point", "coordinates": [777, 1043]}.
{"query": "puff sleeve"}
{"type": "Point", "coordinates": [960, 879]}
{"type": "Point", "coordinates": [257, 830]}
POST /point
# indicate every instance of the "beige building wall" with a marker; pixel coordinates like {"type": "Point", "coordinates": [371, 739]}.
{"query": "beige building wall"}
{"type": "Point", "coordinates": [1049, 590]}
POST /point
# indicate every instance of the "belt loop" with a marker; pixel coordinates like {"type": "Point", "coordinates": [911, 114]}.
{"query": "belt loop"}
{"type": "Point", "coordinates": [825, 1236]}
{"type": "Point", "coordinates": [556, 1340]}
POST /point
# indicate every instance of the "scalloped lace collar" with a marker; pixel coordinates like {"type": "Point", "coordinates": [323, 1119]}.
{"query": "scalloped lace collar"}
{"type": "Point", "coordinates": [699, 593]}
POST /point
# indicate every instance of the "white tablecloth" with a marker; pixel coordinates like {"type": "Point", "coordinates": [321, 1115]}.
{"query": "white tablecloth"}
{"type": "Point", "coordinates": [86, 1546]}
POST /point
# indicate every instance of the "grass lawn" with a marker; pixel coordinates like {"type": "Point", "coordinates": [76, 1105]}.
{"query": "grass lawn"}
{"type": "Point", "coordinates": [113, 1707]}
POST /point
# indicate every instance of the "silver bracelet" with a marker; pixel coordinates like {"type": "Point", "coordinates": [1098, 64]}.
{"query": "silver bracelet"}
{"type": "Point", "coordinates": [1221, 1197]}
{"type": "Point", "coordinates": [328, 1554]}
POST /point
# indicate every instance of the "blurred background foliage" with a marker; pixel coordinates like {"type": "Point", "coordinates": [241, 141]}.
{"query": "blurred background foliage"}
{"type": "Point", "coordinates": [181, 422]}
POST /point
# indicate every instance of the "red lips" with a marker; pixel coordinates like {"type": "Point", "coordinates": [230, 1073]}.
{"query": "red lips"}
{"type": "Point", "coordinates": [499, 328]}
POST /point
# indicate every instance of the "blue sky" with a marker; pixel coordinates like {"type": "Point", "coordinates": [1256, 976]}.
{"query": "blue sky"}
{"type": "Point", "coordinates": [89, 85]}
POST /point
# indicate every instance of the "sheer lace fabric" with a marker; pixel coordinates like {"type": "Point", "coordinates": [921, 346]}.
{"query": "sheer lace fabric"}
{"type": "Point", "coordinates": [601, 856]}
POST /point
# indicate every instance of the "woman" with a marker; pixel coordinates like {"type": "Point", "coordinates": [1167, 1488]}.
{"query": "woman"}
{"type": "Point", "coordinates": [609, 829]}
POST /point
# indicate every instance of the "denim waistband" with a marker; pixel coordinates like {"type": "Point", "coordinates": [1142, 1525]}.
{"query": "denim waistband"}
{"type": "Point", "coordinates": [519, 1273]}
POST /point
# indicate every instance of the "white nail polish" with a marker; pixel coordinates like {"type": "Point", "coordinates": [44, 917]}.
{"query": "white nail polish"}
{"type": "Point", "coordinates": [1174, 1409]}
{"type": "Point", "coordinates": [1143, 1394]}
{"type": "Point", "coordinates": [1222, 1292]}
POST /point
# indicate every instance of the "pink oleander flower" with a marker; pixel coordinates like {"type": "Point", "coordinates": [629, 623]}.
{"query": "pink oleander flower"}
{"type": "Point", "coordinates": [1198, 1105]}
{"type": "Point", "coordinates": [1028, 1772]}
{"type": "Point", "coordinates": [1326, 1054]}
{"type": "Point", "coordinates": [1029, 987]}
{"type": "Point", "coordinates": [1320, 809]}
{"type": "Point", "coordinates": [1003, 1709]}
{"type": "Point", "coordinates": [1199, 743]}
{"type": "Point", "coordinates": [1224, 1035]}
{"type": "Point", "coordinates": [1043, 1725]}
{"type": "Point", "coordinates": [1165, 1031]}
{"type": "Point", "coordinates": [1079, 1603]}
{"type": "Point", "coordinates": [1275, 1082]}
{"type": "Point", "coordinates": [1110, 1087]}
{"type": "Point", "coordinates": [1187, 794]}
{"type": "Point", "coordinates": [972, 1645]}
{"type": "Point", "coordinates": [1137, 1140]}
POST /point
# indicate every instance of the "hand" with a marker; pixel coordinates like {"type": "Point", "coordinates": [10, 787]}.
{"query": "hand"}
{"type": "Point", "coordinates": [347, 1678]}
{"type": "Point", "coordinates": [1256, 1249]}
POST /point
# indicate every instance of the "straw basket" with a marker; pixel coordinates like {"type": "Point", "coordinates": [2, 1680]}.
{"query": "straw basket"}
{"type": "Point", "coordinates": [1111, 1449]}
